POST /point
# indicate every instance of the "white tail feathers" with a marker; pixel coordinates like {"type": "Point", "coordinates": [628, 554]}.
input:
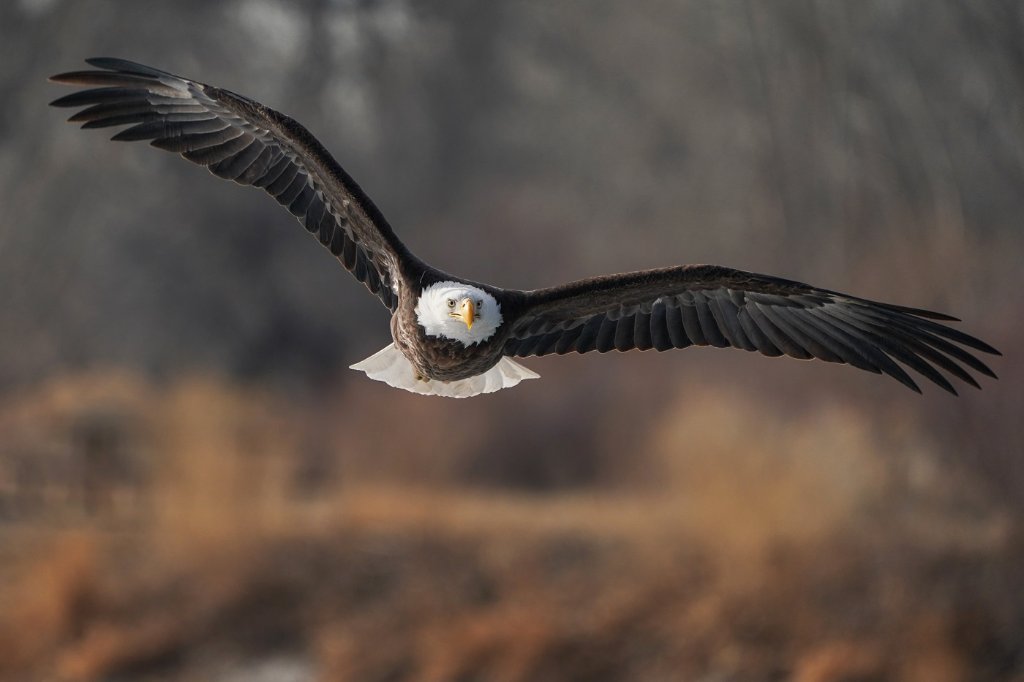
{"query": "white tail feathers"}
{"type": "Point", "coordinates": [393, 368]}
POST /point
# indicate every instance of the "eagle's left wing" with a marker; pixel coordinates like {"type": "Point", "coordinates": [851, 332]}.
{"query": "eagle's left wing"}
{"type": "Point", "coordinates": [712, 305]}
{"type": "Point", "coordinates": [239, 139]}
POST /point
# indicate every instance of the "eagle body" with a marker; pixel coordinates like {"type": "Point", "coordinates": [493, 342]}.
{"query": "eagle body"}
{"type": "Point", "coordinates": [457, 338]}
{"type": "Point", "coordinates": [436, 357]}
{"type": "Point", "coordinates": [439, 357]}
{"type": "Point", "coordinates": [433, 360]}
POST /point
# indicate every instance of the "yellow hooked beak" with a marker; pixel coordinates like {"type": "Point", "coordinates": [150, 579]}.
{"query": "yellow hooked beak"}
{"type": "Point", "coordinates": [467, 312]}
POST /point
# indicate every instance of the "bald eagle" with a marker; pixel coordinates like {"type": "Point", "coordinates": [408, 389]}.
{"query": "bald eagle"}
{"type": "Point", "coordinates": [455, 337]}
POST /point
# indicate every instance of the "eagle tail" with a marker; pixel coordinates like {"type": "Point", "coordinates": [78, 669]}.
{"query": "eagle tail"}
{"type": "Point", "coordinates": [392, 367]}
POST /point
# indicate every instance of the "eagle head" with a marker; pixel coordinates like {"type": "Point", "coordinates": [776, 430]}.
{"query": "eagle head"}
{"type": "Point", "coordinates": [457, 311]}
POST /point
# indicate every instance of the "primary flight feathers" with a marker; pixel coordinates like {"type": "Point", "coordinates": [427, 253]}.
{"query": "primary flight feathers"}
{"type": "Point", "coordinates": [435, 349]}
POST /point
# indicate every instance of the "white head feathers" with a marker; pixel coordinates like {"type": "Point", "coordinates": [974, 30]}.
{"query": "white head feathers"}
{"type": "Point", "coordinates": [434, 312]}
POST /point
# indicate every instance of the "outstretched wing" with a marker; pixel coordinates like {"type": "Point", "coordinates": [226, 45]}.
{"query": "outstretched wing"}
{"type": "Point", "coordinates": [239, 139]}
{"type": "Point", "coordinates": [711, 305]}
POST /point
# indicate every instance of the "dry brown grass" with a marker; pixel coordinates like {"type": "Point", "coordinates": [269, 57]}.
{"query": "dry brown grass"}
{"type": "Point", "coordinates": [753, 549]}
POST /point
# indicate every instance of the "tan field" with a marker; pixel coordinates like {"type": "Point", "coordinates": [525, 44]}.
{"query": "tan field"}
{"type": "Point", "coordinates": [209, 540]}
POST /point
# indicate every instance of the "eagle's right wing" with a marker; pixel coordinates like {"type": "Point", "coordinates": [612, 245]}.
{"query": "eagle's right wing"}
{"type": "Point", "coordinates": [712, 305]}
{"type": "Point", "coordinates": [239, 139]}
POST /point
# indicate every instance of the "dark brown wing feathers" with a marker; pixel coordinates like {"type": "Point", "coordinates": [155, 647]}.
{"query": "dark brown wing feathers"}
{"type": "Point", "coordinates": [711, 305]}
{"type": "Point", "coordinates": [239, 139]}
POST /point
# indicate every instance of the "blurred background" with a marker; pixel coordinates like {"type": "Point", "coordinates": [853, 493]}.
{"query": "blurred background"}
{"type": "Point", "coordinates": [194, 487]}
